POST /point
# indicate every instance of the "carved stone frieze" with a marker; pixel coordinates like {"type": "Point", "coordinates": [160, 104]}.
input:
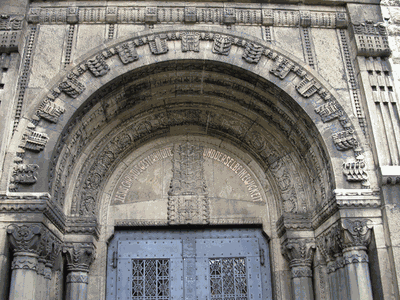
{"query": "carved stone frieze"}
{"type": "Point", "coordinates": [353, 258]}
{"type": "Point", "coordinates": [79, 256]}
{"type": "Point", "coordinates": [10, 33]}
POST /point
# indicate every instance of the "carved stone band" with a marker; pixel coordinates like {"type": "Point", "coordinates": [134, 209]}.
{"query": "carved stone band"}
{"type": "Point", "coordinates": [26, 261]}
{"type": "Point", "coordinates": [298, 272]}
{"type": "Point", "coordinates": [77, 277]}
{"type": "Point", "coordinates": [353, 257]}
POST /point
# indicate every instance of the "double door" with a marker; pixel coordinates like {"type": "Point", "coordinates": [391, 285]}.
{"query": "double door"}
{"type": "Point", "coordinates": [189, 264]}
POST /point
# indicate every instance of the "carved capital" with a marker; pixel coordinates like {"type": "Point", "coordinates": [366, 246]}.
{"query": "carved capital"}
{"type": "Point", "coordinates": [25, 237]}
{"type": "Point", "coordinates": [79, 256]}
{"type": "Point", "coordinates": [330, 243]}
{"type": "Point", "coordinates": [299, 252]}
{"type": "Point", "coordinates": [49, 248]}
{"type": "Point", "coordinates": [356, 233]}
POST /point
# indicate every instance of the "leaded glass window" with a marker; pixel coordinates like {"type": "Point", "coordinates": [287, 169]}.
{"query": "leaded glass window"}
{"type": "Point", "coordinates": [228, 278]}
{"type": "Point", "coordinates": [150, 279]}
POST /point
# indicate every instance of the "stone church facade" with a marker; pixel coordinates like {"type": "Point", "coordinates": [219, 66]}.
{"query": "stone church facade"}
{"type": "Point", "coordinates": [199, 150]}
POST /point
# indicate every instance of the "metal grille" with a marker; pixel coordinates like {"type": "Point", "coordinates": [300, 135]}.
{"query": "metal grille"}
{"type": "Point", "coordinates": [150, 279]}
{"type": "Point", "coordinates": [228, 280]}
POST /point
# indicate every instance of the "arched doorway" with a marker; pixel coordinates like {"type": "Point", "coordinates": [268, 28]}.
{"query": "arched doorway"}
{"type": "Point", "coordinates": [232, 95]}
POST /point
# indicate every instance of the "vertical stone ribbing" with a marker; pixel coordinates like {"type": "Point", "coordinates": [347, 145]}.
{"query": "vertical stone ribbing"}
{"type": "Point", "coordinates": [111, 31]}
{"type": "Point", "coordinates": [68, 48]}
{"type": "Point", "coordinates": [23, 80]}
{"type": "Point", "coordinates": [352, 79]}
{"type": "Point", "coordinates": [308, 52]}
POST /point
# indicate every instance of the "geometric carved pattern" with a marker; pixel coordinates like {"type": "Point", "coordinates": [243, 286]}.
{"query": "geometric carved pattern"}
{"type": "Point", "coordinates": [228, 278]}
{"type": "Point", "coordinates": [150, 279]}
{"type": "Point", "coordinates": [187, 198]}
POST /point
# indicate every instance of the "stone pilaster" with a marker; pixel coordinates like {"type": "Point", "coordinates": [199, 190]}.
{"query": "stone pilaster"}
{"type": "Point", "coordinates": [79, 257]}
{"type": "Point", "coordinates": [299, 253]}
{"type": "Point", "coordinates": [356, 237]}
{"type": "Point", "coordinates": [25, 241]}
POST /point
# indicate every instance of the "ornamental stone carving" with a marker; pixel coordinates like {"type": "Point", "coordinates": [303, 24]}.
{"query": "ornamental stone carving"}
{"type": "Point", "coordinates": [188, 201]}
{"type": "Point", "coordinates": [25, 262]}
{"type": "Point", "coordinates": [25, 237]}
{"type": "Point", "coordinates": [356, 233]}
{"type": "Point", "coordinates": [79, 256]}
{"type": "Point", "coordinates": [77, 278]}
{"type": "Point", "coordinates": [299, 253]}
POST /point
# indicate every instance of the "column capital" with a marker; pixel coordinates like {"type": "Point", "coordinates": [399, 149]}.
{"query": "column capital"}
{"type": "Point", "coordinates": [299, 252]}
{"type": "Point", "coordinates": [356, 233]}
{"type": "Point", "coordinates": [49, 247]}
{"type": "Point", "coordinates": [25, 237]}
{"type": "Point", "coordinates": [79, 256]}
{"type": "Point", "coordinates": [330, 243]}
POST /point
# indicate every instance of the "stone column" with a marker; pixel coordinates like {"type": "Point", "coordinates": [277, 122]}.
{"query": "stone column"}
{"type": "Point", "coordinates": [25, 240]}
{"type": "Point", "coordinates": [356, 237]}
{"type": "Point", "coordinates": [79, 257]}
{"type": "Point", "coordinates": [299, 253]}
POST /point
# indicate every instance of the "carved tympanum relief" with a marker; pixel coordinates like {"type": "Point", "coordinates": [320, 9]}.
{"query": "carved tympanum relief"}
{"type": "Point", "coordinates": [191, 179]}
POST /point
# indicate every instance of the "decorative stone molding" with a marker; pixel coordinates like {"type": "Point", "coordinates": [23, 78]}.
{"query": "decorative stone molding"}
{"type": "Point", "coordinates": [390, 175]}
{"type": "Point", "coordinates": [299, 252]}
{"type": "Point", "coordinates": [79, 256]}
{"type": "Point", "coordinates": [77, 278]}
{"type": "Point", "coordinates": [196, 13]}
{"type": "Point", "coordinates": [50, 111]}
{"type": "Point", "coordinates": [10, 33]}
{"type": "Point", "coordinates": [292, 221]}
{"type": "Point", "coordinates": [307, 86]}
{"type": "Point", "coordinates": [356, 233]}
{"type": "Point", "coordinates": [25, 262]}
{"type": "Point", "coordinates": [353, 258]}
{"type": "Point", "coordinates": [82, 226]}
{"type": "Point", "coordinates": [371, 39]}
{"type": "Point", "coordinates": [25, 237]}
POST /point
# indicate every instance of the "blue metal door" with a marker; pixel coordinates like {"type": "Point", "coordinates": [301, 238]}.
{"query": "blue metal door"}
{"type": "Point", "coordinates": [191, 265]}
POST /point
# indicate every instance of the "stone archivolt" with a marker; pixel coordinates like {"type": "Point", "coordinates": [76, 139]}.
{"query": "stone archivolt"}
{"type": "Point", "coordinates": [290, 187]}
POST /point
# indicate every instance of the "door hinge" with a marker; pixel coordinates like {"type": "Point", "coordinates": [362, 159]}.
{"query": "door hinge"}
{"type": "Point", "coordinates": [114, 260]}
{"type": "Point", "coordinates": [262, 257]}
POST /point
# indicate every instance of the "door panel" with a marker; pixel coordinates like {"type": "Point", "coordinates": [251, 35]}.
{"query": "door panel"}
{"type": "Point", "coordinates": [190, 265]}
